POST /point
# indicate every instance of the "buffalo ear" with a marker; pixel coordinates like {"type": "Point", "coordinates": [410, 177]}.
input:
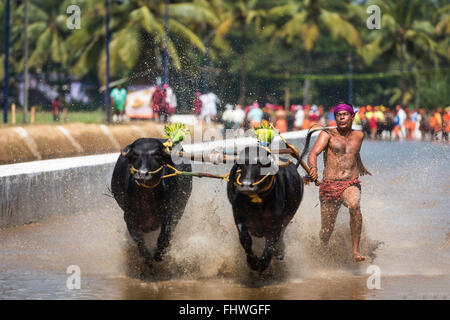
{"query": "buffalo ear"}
{"type": "Point", "coordinates": [127, 152]}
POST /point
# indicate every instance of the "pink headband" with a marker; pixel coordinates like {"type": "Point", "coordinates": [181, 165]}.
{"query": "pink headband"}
{"type": "Point", "coordinates": [344, 107]}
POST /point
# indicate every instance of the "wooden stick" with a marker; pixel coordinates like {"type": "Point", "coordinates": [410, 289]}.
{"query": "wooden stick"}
{"type": "Point", "coordinates": [221, 158]}
{"type": "Point", "coordinates": [213, 157]}
{"type": "Point", "coordinates": [294, 152]}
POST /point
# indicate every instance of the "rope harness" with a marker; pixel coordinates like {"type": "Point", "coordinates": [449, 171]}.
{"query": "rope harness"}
{"type": "Point", "coordinates": [176, 172]}
{"type": "Point", "coordinates": [255, 198]}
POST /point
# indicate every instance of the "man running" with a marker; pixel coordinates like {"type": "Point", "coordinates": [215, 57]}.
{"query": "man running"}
{"type": "Point", "coordinates": [340, 184]}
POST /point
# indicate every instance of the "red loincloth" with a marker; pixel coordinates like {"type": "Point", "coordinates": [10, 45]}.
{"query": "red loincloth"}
{"type": "Point", "coordinates": [331, 190]}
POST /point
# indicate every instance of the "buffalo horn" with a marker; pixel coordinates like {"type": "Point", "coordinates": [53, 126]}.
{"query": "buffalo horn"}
{"type": "Point", "coordinates": [166, 152]}
{"type": "Point", "coordinates": [281, 163]}
{"type": "Point", "coordinates": [125, 152]}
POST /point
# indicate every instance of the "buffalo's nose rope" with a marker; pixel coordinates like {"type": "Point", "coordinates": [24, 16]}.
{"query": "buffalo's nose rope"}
{"type": "Point", "coordinates": [133, 170]}
{"type": "Point", "coordinates": [238, 178]}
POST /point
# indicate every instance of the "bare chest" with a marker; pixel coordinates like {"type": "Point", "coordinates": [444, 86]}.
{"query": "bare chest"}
{"type": "Point", "coordinates": [339, 145]}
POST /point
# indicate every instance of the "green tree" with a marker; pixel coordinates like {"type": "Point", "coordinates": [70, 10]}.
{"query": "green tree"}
{"type": "Point", "coordinates": [137, 36]}
{"type": "Point", "coordinates": [442, 30]}
{"type": "Point", "coordinates": [14, 58]}
{"type": "Point", "coordinates": [47, 31]}
{"type": "Point", "coordinates": [406, 38]}
{"type": "Point", "coordinates": [306, 20]}
{"type": "Point", "coordinates": [237, 16]}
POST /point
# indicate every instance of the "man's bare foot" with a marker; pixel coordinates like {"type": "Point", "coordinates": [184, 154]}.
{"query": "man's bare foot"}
{"type": "Point", "coordinates": [357, 257]}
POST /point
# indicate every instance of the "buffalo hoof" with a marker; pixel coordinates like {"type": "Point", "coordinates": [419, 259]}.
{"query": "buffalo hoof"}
{"type": "Point", "coordinates": [279, 254]}
{"type": "Point", "coordinates": [253, 262]}
{"type": "Point", "coordinates": [264, 263]}
{"type": "Point", "coordinates": [158, 257]}
{"type": "Point", "coordinates": [148, 259]}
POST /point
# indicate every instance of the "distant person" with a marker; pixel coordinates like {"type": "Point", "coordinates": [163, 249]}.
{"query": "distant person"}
{"type": "Point", "coordinates": [446, 124]}
{"type": "Point", "coordinates": [118, 96]}
{"type": "Point", "coordinates": [331, 120]}
{"type": "Point", "coordinates": [314, 115]}
{"type": "Point", "coordinates": [255, 116]}
{"type": "Point", "coordinates": [416, 117]}
{"type": "Point", "coordinates": [290, 118]}
{"type": "Point", "coordinates": [401, 117]}
{"type": "Point", "coordinates": [322, 119]}
{"type": "Point", "coordinates": [436, 124]}
{"type": "Point", "coordinates": [397, 127]}
{"type": "Point", "coordinates": [238, 117]}
{"type": "Point", "coordinates": [281, 121]}
{"type": "Point", "coordinates": [306, 122]}
{"type": "Point", "coordinates": [171, 101]}
{"type": "Point", "coordinates": [158, 102]}
{"type": "Point", "coordinates": [424, 125]}
{"type": "Point", "coordinates": [380, 121]}
{"type": "Point", "coordinates": [299, 118]}
{"type": "Point", "coordinates": [227, 118]}
{"type": "Point", "coordinates": [409, 127]}
{"type": "Point", "coordinates": [209, 107]}
{"type": "Point", "coordinates": [197, 104]}
{"type": "Point", "coordinates": [266, 113]}
{"type": "Point", "coordinates": [247, 109]}
{"type": "Point", "coordinates": [56, 105]}
{"type": "Point", "coordinates": [390, 123]}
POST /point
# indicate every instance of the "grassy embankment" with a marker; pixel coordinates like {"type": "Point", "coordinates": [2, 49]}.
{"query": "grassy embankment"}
{"type": "Point", "coordinates": [46, 117]}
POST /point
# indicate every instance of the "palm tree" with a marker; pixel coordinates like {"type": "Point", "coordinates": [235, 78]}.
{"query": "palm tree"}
{"type": "Point", "coordinates": [47, 31]}
{"type": "Point", "coordinates": [305, 20]}
{"type": "Point", "coordinates": [137, 29]}
{"type": "Point", "coordinates": [406, 36]}
{"type": "Point", "coordinates": [244, 14]}
{"type": "Point", "coordinates": [236, 15]}
{"type": "Point", "coordinates": [442, 30]}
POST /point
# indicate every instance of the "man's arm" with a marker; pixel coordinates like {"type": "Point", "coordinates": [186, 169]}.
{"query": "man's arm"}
{"type": "Point", "coordinates": [362, 170]}
{"type": "Point", "coordinates": [318, 147]}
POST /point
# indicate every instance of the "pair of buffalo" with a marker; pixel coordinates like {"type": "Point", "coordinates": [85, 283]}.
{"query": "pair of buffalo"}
{"type": "Point", "coordinates": [263, 204]}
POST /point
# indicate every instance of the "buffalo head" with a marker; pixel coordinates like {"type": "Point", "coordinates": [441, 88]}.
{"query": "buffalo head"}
{"type": "Point", "coordinates": [147, 157]}
{"type": "Point", "coordinates": [255, 170]}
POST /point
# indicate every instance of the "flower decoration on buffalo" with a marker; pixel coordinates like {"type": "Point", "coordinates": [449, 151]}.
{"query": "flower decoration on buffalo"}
{"type": "Point", "coordinates": [264, 133]}
{"type": "Point", "coordinates": [175, 133]}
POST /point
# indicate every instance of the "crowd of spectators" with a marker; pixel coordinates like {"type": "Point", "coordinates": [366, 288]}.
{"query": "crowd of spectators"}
{"type": "Point", "coordinates": [380, 122]}
{"type": "Point", "coordinates": [377, 122]}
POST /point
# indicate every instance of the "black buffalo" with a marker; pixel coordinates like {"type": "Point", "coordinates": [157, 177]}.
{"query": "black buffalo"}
{"type": "Point", "coordinates": [263, 204]}
{"type": "Point", "coordinates": [148, 200]}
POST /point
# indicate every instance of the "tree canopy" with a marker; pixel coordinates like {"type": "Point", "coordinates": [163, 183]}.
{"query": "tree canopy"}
{"type": "Point", "coordinates": [246, 50]}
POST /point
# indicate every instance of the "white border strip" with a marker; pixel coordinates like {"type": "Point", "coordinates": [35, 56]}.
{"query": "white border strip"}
{"type": "Point", "coordinates": [56, 164]}
{"type": "Point", "coordinates": [34, 167]}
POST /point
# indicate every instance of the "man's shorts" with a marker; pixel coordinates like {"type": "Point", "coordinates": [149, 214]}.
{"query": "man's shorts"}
{"type": "Point", "coordinates": [332, 190]}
